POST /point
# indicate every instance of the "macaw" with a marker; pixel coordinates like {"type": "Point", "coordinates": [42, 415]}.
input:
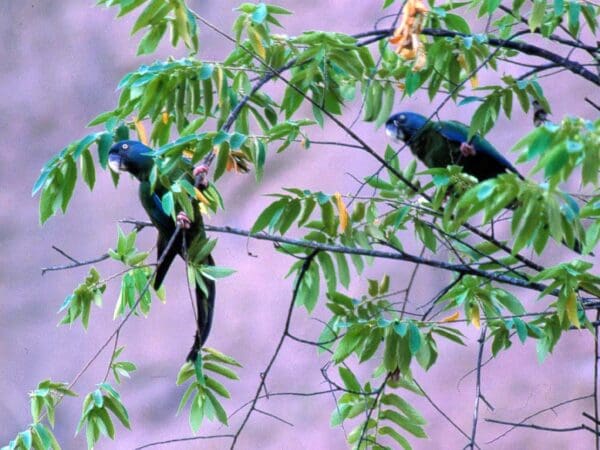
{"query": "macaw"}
{"type": "Point", "coordinates": [137, 159]}
{"type": "Point", "coordinates": [444, 143]}
{"type": "Point", "coordinates": [440, 144]}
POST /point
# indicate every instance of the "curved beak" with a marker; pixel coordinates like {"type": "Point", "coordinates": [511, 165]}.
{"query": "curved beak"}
{"type": "Point", "coordinates": [393, 131]}
{"type": "Point", "coordinates": [115, 162]}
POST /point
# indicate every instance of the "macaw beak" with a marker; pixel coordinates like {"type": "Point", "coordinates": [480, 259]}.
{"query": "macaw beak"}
{"type": "Point", "coordinates": [115, 162]}
{"type": "Point", "coordinates": [393, 131]}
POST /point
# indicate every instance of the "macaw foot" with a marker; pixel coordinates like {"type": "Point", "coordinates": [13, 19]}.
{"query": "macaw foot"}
{"type": "Point", "coordinates": [200, 172]}
{"type": "Point", "coordinates": [184, 221]}
{"type": "Point", "coordinates": [467, 149]}
{"type": "Point", "coordinates": [395, 375]}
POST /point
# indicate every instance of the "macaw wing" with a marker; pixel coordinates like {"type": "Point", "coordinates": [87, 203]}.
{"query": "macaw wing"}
{"type": "Point", "coordinates": [459, 133]}
{"type": "Point", "coordinates": [166, 259]}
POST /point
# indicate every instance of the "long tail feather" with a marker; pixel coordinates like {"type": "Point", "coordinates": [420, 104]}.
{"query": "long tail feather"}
{"type": "Point", "coordinates": [205, 305]}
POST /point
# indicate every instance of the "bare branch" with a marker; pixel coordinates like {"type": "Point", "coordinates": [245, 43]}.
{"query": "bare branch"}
{"type": "Point", "coordinates": [268, 414]}
{"type": "Point", "coordinates": [100, 258]}
{"type": "Point", "coordinates": [288, 321]}
{"type": "Point", "coordinates": [398, 255]}
{"type": "Point", "coordinates": [481, 341]}
{"type": "Point", "coordinates": [186, 439]}
{"type": "Point", "coordinates": [542, 428]}
{"type": "Point", "coordinates": [444, 415]}
{"type": "Point", "coordinates": [550, 408]}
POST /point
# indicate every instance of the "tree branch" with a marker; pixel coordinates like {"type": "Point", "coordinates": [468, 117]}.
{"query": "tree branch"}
{"type": "Point", "coordinates": [481, 341]}
{"type": "Point", "coordinates": [550, 408]}
{"type": "Point", "coordinates": [288, 321]}
{"type": "Point", "coordinates": [543, 428]}
{"type": "Point", "coordinates": [399, 255]}
{"type": "Point", "coordinates": [528, 49]}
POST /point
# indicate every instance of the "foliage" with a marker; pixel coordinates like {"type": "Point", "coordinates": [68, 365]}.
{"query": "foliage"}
{"type": "Point", "coordinates": [199, 111]}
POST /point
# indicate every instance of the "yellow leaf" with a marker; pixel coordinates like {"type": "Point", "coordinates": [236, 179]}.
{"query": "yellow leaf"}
{"type": "Point", "coordinates": [474, 81]}
{"type": "Point", "coordinates": [571, 307]}
{"type": "Point", "coordinates": [200, 196]}
{"type": "Point", "coordinates": [203, 209]}
{"type": "Point", "coordinates": [222, 97]}
{"type": "Point", "coordinates": [165, 117]}
{"type": "Point", "coordinates": [141, 131]}
{"type": "Point", "coordinates": [343, 212]}
{"type": "Point", "coordinates": [475, 318]}
{"type": "Point", "coordinates": [256, 41]}
{"type": "Point", "coordinates": [188, 154]}
{"type": "Point", "coordinates": [451, 318]}
{"type": "Point", "coordinates": [231, 164]}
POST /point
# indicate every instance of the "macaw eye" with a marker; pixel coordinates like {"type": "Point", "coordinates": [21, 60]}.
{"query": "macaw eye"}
{"type": "Point", "coordinates": [125, 146]}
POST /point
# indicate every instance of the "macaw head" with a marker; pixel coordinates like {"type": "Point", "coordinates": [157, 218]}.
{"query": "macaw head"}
{"type": "Point", "coordinates": [133, 157]}
{"type": "Point", "coordinates": [403, 126]}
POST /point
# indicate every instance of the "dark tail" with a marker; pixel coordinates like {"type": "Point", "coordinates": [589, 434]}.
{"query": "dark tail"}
{"type": "Point", "coordinates": [577, 247]}
{"type": "Point", "coordinates": [205, 305]}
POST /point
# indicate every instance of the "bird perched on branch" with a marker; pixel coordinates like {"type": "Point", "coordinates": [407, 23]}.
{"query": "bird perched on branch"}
{"type": "Point", "coordinates": [444, 143]}
{"type": "Point", "coordinates": [137, 159]}
{"type": "Point", "coordinates": [440, 144]}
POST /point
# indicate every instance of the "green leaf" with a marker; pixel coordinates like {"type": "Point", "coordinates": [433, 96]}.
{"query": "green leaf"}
{"type": "Point", "coordinates": [222, 158]}
{"type": "Point", "coordinates": [347, 344]}
{"type": "Point", "coordinates": [40, 181]}
{"type": "Point", "coordinates": [213, 384]}
{"type": "Point", "coordinates": [537, 14]}
{"type": "Point", "coordinates": [104, 142]}
{"type": "Point", "coordinates": [343, 269]}
{"type": "Point", "coordinates": [349, 379]}
{"type": "Point", "coordinates": [88, 172]}
{"type": "Point", "coordinates": [404, 422]}
{"type": "Point", "coordinates": [387, 104]}
{"type": "Point", "coordinates": [403, 406]}
{"type": "Point", "coordinates": [219, 411]}
{"type": "Point", "coordinates": [221, 370]}
{"type": "Point", "coordinates": [68, 184]}
{"type": "Point", "coordinates": [47, 202]}
{"type": "Point", "coordinates": [388, 431]}
{"type": "Point", "coordinates": [326, 263]}
{"type": "Point", "coordinates": [168, 203]}
{"type": "Point", "coordinates": [266, 217]}
{"type": "Point", "coordinates": [574, 9]}
{"type": "Point", "coordinates": [414, 338]}
{"type": "Point", "coordinates": [215, 355]}
{"type": "Point", "coordinates": [150, 41]}
{"type": "Point", "coordinates": [214, 272]}
{"type": "Point", "coordinates": [457, 23]}
{"type": "Point", "coordinates": [155, 9]}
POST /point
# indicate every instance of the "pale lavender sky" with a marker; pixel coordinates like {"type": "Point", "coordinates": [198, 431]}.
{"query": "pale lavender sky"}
{"type": "Point", "coordinates": [61, 62]}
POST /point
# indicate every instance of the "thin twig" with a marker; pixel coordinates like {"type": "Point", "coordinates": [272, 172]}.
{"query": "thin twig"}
{"type": "Point", "coordinates": [288, 321]}
{"type": "Point", "coordinates": [268, 414]}
{"type": "Point", "coordinates": [543, 428]}
{"type": "Point", "coordinates": [595, 105]}
{"type": "Point", "coordinates": [75, 264]}
{"type": "Point", "coordinates": [70, 258]}
{"type": "Point", "coordinates": [186, 439]}
{"type": "Point", "coordinates": [481, 341]}
{"type": "Point", "coordinates": [444, 415]}
{"type": "Point", "coordinates": [537, 413]}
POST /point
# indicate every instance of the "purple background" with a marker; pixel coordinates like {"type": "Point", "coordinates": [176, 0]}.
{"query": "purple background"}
{"type": "Point", "coordinates": [61, 62]}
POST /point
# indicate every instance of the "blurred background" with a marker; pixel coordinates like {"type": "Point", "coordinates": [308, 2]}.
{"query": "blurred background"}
{"type": "Point", "coordinates": [60, 64]}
